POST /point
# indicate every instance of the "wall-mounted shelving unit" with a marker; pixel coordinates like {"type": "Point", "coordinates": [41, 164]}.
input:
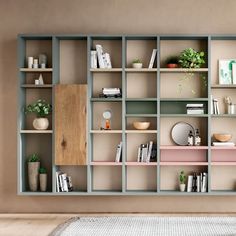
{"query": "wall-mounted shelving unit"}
{"type": "Point", "coordinates": [147, 94]}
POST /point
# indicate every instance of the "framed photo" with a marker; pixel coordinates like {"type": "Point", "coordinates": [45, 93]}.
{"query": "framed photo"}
{"type": "Point", "coordinates": [225, 71]}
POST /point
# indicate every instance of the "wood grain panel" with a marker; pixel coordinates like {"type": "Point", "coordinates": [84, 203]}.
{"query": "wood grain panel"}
{"type": "Point", "coordinates": [70, 124]}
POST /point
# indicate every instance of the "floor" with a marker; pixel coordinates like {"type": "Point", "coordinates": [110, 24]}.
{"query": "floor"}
{"type": "Point", "coordinates": [43, 224]}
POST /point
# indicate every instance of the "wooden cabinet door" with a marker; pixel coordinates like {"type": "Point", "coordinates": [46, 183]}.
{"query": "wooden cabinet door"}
{"type": "Point", "coordinates": [70, 124]}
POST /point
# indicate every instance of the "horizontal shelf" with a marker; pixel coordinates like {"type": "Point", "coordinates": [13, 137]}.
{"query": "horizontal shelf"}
{"type": "Point", "coordinates": [36, 131]}
{"type": "Point", "coordinates": [224, 116]}
{"type": "Point", "coordinates": [141, 99]}
{"type": "Point", "coordinates": [169, 147]}
{"type": "Point", "coordinates": [135, 163]}
{"type": "Point", "coordinates": [105, 163]}
{"type": "Point", "coordinates": [183, 163]}
{"type": "Point", "coordinates": [36, 70]}
{"type": "Point", "coordinates": [223, 86]}
{"type": "Point", "coordinates": [106, 70]}
{"type": "Point", "coordinates": [183, 70]}
{"type": "Point", "coordinates": [184, 99]}
{"type": "Point", "coordinates": [134, 70]}
{"type": "Point", "coordinates": [33, 86]}
{"type": "Point", "coordinates": [141, 131]}
{"type": "Point", "coordinates": [141, 115]}
{"type": "Point", "coordinates": [106, 131]}
{"type": "Point", "coordinates": [106, 99]}
{"type": "Point", "coordinates": [223, 163]}
{"type": "Point", "coordinates": [176, 192]}
{"type": "Point", "coordinates": [183, 115]}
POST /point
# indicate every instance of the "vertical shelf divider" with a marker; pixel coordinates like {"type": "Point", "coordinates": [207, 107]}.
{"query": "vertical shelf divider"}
{"type": "Point", "coordinates": [158, 116]}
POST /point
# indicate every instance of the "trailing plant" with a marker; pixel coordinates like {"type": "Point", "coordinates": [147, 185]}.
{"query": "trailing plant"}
{"type": "Point", "coordinates": [33, 158]}
{"type": "Point", "coordinates": [182, 177]}
{"type": "Point", "coordinates": [42, 170]}
{"type": "Point", "coordinates": [172, 60]}
{"type": "Point", "coordinates": [41, 108]}
{"type": "Point", "coordinates": [137, 61]}
{"type": "Point", "coordinates": [189, 58]}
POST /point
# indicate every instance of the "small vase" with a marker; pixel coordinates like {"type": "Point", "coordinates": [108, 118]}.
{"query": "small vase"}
{"type": "Point", "coordinates": [43, 182]}
{"type": "Point", "coordinates": [137, 65]}
{"type": "Point", "coordinates": [41, 123]}
{"type": "Point", "coordinates": [182, 187]}
{"type": "Point", "coordinates": [33, 175]}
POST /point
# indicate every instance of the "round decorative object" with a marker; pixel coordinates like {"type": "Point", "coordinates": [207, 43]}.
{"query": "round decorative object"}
{"type": "Point", "coordinates": [41, 123]}
{"type": "Point", "coordinates": [180, 132]}
{"type": "Point", "coordinates": [137, 65]}
{"type": "Point", "coordinates": [141, 125]}
{"type": "Point", "coordinates": [107, 114]}
{"type": "Point", "coordinates": [172, 65]}
{"type": "Point", "coordinates": [222, 137]}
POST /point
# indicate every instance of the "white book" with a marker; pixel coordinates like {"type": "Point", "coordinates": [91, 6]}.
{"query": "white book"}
{"type": "Point", "coordinates": [144, 153]}
{"type": "Point", "coordinates": [151, 63]}
{"type": "Point", "coordinates": [217, 107]}
{"type": "Point", "coordinates": [190, 184]}
{"type": "Point", "coordinates": [118, 152]}
{"type": "Point", "coordinates": [212, 106]}
{"type": "Point", "coordinates": [198, 183]}
{"type": "Point", "coordinates": [149, 151]}
{"type": "Point", "coordinates": [65, 184]}
{"type": "Point", "coordinates": [107, 60]}
{"type": "Point", "coordinates": [234, 73]}
{"type": "Point", "coordinates": [100, 56]}
{"type": "Point", "coordinates": [61, 182]}
{"type": "Point", "coordinates": [69, 182]}
{"type": "Point", "coordinates": [222, 144]}
{"type": "Point", "coordinates": [195, 112]}
{"type": "Point", "coordinates": [139, 154]}
{"type": "Point", "coordinates": [58, 187]}
{"type": "Point", "coordinates": [93, 58]}
{"type": "Point", "coordinates": [204, 183]}
{"type": "Point", "coordinates": [194, 105]}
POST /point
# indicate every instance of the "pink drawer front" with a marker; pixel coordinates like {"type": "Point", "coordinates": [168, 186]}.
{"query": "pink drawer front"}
{"type": "Point", "coordinates": [223, 155]}
{"type": "Point", "coordinates": [184, 155]}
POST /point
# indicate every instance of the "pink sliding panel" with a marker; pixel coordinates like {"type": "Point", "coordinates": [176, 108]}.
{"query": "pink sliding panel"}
{"type": "Point", "coordinates": [223, 155]}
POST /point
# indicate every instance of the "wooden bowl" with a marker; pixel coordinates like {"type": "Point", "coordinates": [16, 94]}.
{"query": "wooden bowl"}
{"type": "Point", "coordinates": [141, 125]}
{"type": "Point", "coordinates": [222, 137]}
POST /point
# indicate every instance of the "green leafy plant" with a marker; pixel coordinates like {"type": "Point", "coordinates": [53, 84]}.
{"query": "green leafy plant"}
{"type": "Point", "coordinates": [172, 60]}
{"type": "Point", "coordinates": [42, 170]}
{"type": "Point", "coordinates": [41, 108]}
{"type": "Point", "coordinates": [190, 58]}
{"type": "Point", "coordinates": [137, 61]}
{"type": "Point", "coordinates": [33, 158]}
{"type": "Point", "coordinates": [182, 177]}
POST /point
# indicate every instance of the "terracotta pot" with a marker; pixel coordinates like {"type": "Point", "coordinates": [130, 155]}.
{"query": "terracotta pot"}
{"type": "Point", "coordinates": [33, 175]}
{"type": "Point", "coordinates": [41, 123]}
{"type": "Point", "coordinates": [171, 65]}
{"type": "Point", "coordinates": [182, 187]}
{"type": "Point", "coordinates": [43, 182]}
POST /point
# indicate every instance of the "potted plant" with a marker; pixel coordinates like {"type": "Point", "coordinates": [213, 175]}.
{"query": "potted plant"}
{"type": "Point", "coordinates": [137, 64]}
{"type": "Point", "coordinates": [41, 108]}
{"type": "Point", "coordinates": [43, 179]}
{"type": "Point", "coordinates": [182, 179]}
{"type": "Point", "coordinates": [33, 171]}
{"type": "Point", "coordinates": [172, 62]}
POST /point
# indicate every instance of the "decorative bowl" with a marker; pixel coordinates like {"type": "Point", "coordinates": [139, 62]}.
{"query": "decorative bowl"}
{"type": "Point", "coordinates": [222, 137]}
{"type": "Point", "coordinates": [142, 125]}
{"type": "Point", "coordinates": [137, 65]}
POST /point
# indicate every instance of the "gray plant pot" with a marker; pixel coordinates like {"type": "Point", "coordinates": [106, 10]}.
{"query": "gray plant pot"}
{"type": "Point", "coordinates": [33, 175]}
{"type": "Point", "coordinates": [43, 182]}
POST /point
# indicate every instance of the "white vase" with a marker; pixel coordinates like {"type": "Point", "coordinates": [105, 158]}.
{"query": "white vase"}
{"type": "Point", "coordinates": [41, 123]}
{"type": "Point", "coordinates": [182, 187]}
{"type": "Point", "coordinates": [43, 182]}
{"type": "Point", "coordinates": [137, 65]}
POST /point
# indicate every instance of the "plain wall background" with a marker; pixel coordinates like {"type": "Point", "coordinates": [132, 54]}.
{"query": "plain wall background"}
{"type": "Point", "coordinates": [103, 17]}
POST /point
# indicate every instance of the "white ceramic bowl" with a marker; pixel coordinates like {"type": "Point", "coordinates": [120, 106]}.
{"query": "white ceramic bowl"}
{"type": "Point", "coordinates": [137, 65]}
{"type": "Point", "coordinates": [141, 125]}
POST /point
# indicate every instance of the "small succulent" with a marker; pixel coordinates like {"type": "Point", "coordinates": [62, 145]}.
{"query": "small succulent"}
{"type": "Point", "coordinates": [137, 61]}
{"type": "Point", "coordinates": [182, 177]}
{"type": "Point", "coordinates": [42, 170]}
{"type": "Point", "coordinates": [33, 158]}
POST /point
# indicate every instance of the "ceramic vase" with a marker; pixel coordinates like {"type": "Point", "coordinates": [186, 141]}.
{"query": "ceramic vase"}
{"type": "Point", "coordinates": [182, 187]}
{"type": "Point", "coordinates": [33, 175]}
{"type": "Point", "coordinates": [41, 123]}
{"type": "Point", "coordinates": [43, 182]}
{"type": "Point", "coordinates": [137, 65]}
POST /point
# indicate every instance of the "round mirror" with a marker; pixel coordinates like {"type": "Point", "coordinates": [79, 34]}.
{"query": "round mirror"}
{"type": "Point", "coordinates": [107, 114]}
{"type": "Point", "coordinates": [180, 132]}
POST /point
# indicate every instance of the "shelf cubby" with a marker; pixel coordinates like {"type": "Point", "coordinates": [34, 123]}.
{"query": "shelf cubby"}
{"type": "Point", "coordinates": [130, 120]}
{"type": "Point", "coordinates": [141, 107]}
{"type": "Point", "coordinates": [106, 178]}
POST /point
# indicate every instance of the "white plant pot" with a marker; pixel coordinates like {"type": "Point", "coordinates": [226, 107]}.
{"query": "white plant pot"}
{"type": "Point", "coordinates": [41, 123]}
{"type": "Point", "coordinates": [137, 65]}
{"type": "Point", "coordinates": [182, 187]}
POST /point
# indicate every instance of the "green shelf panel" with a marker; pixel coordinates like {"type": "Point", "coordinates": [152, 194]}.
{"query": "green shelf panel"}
{"type": "Point", "coordinates": [179, 107]}
{"type": "Point", "coordinates": [141, 107]}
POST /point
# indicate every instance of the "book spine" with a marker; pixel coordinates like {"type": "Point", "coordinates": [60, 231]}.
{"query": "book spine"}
{"type": "Point", "coordinates": [198, 183]}
{"type": "Point", "coordinates": [139, 154]}
{"type": "Point", "coordinates": [234, 72]}
{"type": "Point", "coordinates": [100, 56]}
{"type": "Point", "coordinates": [151, 63]}
{"type": "Point", "coordinates": [65, 185]}
{"type": "Point", "coordinates": [108, 60]}
{"type": "Point", "coordinates": [149, 151]}
{"type": "Point", "coordinates": [190, 183]}
{"type": "Point", "coordinates": [93, 59]}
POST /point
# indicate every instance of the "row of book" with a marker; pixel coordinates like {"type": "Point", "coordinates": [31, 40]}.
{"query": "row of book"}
{"type": "Point", "coordinates": [195, 109]}
{"type": "Point", "coordinates": [197, 182]}
{"type": "Point", "coordinates": [214, 106]}
{"type": "Point", "coordinates": [118, 157]}
{"type": "Point", "coordinates": [63, 182]}
{"type": "Point", "coordinates": [101, 59]}
{"type": "Point", "coordinates": [147, 152]}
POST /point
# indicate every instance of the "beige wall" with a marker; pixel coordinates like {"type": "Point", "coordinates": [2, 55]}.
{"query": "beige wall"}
{"type": "Point", "coordinates": [104, 17]}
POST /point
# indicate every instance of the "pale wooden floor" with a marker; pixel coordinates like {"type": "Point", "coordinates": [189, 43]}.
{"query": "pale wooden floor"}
{"type": "Point", "coordinates": [43, 224]}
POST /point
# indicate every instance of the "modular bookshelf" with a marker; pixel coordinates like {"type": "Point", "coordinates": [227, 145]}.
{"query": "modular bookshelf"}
{"type": "Point", "coordinates": [149, 94]}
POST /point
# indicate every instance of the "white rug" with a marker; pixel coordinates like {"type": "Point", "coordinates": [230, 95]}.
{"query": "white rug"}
{"type": "Point", "coordinates": [147, 226]}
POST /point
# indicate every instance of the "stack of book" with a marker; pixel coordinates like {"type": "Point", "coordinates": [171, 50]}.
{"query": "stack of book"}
{"type": "Point", "coordinates": [147, 152]}
{"type": "Point", "coordinates": [214, 106]}
{"type": "Point", "coordinates": [197, 182]}
{"type": "Point", "coordinates": [111, 93]}
{"type": "Point", "coordinates": [100, 58]}
{"type": "Point", "coordinates": [119, 153]}
{"type": "Point", "coordinates": [195, 109]}
{"type": "Point", "coordinates": [63, 182]}
{"type": "Point", "coordinates": [223, 144]}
